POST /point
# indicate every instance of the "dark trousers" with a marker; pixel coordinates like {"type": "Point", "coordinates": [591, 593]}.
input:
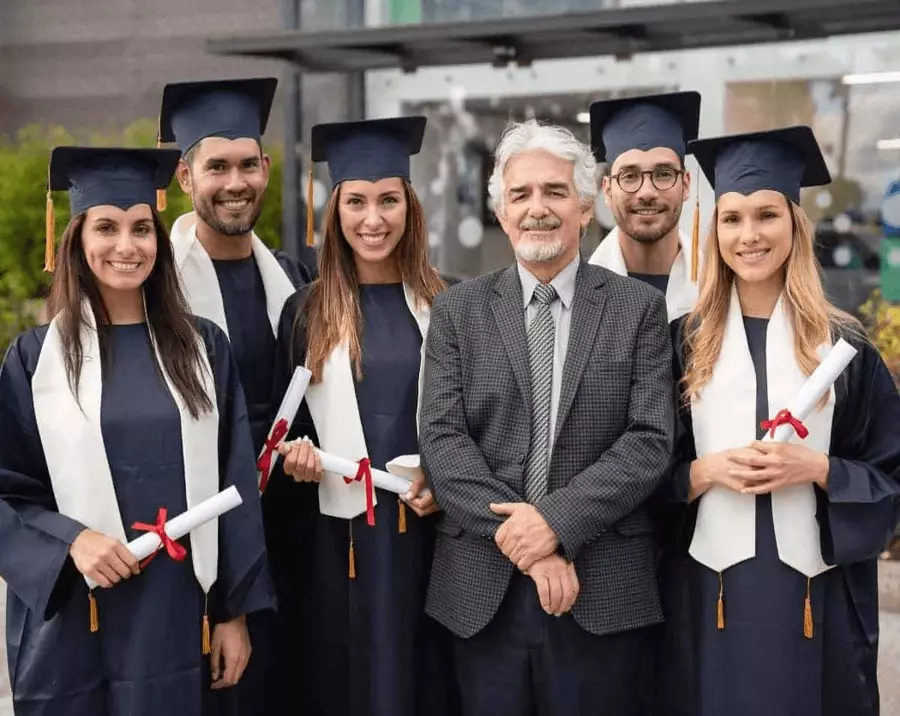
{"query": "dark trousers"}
{"type": "Point", "coordinates": [528, 663]}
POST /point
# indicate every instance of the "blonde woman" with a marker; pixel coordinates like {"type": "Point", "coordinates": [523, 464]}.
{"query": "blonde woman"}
{"type": "Point", "coordinates": [778, 565]}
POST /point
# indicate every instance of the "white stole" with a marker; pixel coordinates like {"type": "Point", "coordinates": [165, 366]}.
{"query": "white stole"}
{"type": "Point", "coordinates": [681, 292]}
{"type": "Point", "coordinates": [201, 285]}
{"type": "Point", "coordinates": [72, 442]}
{"type": "Point", "coordinates": [724, 417]}
{"type": "Point", "coordinates": [335, 413]}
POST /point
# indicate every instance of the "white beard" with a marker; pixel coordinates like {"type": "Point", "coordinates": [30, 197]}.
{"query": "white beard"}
{"type": "Point", "coordinates": [539, 251]}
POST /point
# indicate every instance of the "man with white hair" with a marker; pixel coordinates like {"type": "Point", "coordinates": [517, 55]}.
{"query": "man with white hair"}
{"type": "Point", "coordinates": [546, 424]}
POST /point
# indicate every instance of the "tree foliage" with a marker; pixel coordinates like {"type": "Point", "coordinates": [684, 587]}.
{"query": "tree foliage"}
{"type": "Point", "coordinates": [24, 159]}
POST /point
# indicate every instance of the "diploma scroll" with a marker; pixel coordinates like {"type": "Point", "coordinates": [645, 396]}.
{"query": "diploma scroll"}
{"type": "Point", "coordinates": [284, 418]}
{"type": "Point", "coordinates": [398, 478]}
{"type": "Point", "coordinates": [183, 524]}
{"type": "Point", "coordinates": [783, 425]}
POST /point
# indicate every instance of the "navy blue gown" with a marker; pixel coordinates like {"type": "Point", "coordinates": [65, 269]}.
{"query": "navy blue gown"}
{"type": "Point", "coordinates": [761, 663]}
{"type": "Point", "coordinates": [363, 646]}
{"type": "Point", "coordinates": [253, 345]}
{"type": "Point", "coordinates": [659, 281]}
{"type": "Point", "coordinates": [146, 657]}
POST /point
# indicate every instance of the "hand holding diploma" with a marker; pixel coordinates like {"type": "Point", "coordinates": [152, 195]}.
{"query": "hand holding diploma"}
{"type": "Point", "coordinates": [284, 418]}
{"type": "Point", "coordinates": [103, 560]}
{"type": "Point", "coordinates": [778, 463]}
{"type": "Point", "coordinates": [148, 544]}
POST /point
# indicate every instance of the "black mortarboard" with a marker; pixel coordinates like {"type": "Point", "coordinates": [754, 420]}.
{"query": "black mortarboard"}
{"type": "Point", "coordinates": [782, 160]}
{"type": "Point", "coordinates": [232, 109]}
{"type": "Point", "coordinates": [646, 122]}
{"type": "Point", "coordinates": [368, 150]}
{"type": "Point", "coordinates": [101, 176]}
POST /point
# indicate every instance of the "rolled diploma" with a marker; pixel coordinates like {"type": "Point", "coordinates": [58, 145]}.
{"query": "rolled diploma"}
{"type": "Point", "coordinates": [383, 480]}
{"type": "Point", "coordinates": [186, 522]}
{"type": "Point", "coordinates": [290, 404]}
{"type": "Point", "coordinates": [821, 380]}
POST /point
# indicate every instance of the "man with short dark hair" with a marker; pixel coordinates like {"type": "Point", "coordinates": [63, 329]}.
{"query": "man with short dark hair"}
{"type": "Point", "coordinates": [229, 276]}
{"type": "Point", "coordinates": [643, 141]}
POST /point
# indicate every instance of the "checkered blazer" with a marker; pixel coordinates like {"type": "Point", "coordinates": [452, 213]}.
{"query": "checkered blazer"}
{"type": "Point", "coordinates": [614, 435]}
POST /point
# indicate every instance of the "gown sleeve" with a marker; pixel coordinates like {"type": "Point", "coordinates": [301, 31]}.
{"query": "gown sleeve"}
{"type": "Point", "coordinates": [34, 560]}
{"type": "Point", "coordinates": [297, 271]}
{"type": "Point", "coordinates": [243, 584]}
{"type": "Point", "coordinates": [857, 515]}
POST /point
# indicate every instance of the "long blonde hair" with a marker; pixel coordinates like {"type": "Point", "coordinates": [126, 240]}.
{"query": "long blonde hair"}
{"type": "Point", "coordinates": [814, 318]}
{"type": "Point", "coordinates": [332, 313]}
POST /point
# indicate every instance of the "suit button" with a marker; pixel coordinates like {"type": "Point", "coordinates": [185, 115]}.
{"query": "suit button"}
{"type": "Point", "coordinates": [521, 457]}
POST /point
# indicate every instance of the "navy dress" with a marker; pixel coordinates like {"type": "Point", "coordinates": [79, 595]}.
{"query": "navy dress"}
{"type": "Point", "coordinates": [761, 662]}
{"type": "Point", "coordinates": [364, 646]}
{"type": "Point", "coordinates": [146, 657]}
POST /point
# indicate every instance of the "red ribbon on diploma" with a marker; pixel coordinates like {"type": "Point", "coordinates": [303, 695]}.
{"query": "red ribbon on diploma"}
{"type": "Point", "coordinates": [364, 472]}
{"type": "Point", "coordinates": [175, 550]}
{"type": "Point", "coordinates": [264, 464]}
{"type": "Point", "coordinates": [784, 417]}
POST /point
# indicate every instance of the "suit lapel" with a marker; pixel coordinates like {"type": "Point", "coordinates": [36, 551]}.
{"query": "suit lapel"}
{"type": "Point", "coordinates": [509, 313]}
{"type": "Point", "coordinates": [587, 310]}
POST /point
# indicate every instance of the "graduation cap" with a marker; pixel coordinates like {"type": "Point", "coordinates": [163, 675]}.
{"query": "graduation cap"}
{"type": "Point", "coordinates": [782, 160]}
{"type": "Point", "coordinates": [232, 109]}
{"type": "Point", "coordinates": [104, 176]}
{"type": "Point", "coordinates": [647, 122]}
{"type": "Point", "coordinates": [368, 150]}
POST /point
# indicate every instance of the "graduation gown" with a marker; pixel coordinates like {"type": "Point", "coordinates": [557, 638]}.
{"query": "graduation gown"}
{"type": "Point", "coordinates": [146, 657]}
{"type": "Point", "coordinates": [244, 298]}
{"type": "Point", "coordinates": [362, 646]}
{"type": "Point", "coordinates": [680, 291]}
{"type": "Point", "coordinates": [761, 662]}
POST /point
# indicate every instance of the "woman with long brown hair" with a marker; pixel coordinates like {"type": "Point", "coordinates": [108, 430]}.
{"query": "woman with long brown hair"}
{"type": "Point", "coordinates": [778, 562]}
{"type": "Point", "coordinates": [123, 412]}
{"type": "Point", "coordinates": [355, 575]}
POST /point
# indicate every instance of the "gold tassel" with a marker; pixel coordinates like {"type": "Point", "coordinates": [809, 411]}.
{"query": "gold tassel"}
{"type": "Point", "coordinates": [50, 235]}
{"type": "Point", "coordinates": [95, 619]}
{"type": "Point", "coordinates": [162, 199]}
{"type": "Point", "coordinates": [310, 211]}
{"type": "Point", "coordinates": [401, 517]}
{"type": "Point", "coordinates": [720, 612]}
{"type": "Point", "coordinates": [352, 560]}
{"type": "Point", "coordinates": [807, 613]}
{"type": "Point", "coordinates": [695, 240]}
{"type": "Point", "coordinates": [207, 646]}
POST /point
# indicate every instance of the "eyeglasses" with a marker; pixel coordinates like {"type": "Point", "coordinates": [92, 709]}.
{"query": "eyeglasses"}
{"type": "Point", "coordinates": [662, 178]}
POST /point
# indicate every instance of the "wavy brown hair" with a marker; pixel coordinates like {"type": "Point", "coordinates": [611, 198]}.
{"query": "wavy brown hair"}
{"type": "Point", "coordinates": [332, 313]}
{"type": "Point", "coordinates": [168, 315]}
{"type": "Point", "coordinates": [814, 318]}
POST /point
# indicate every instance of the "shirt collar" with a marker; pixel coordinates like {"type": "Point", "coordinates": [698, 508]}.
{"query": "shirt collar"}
{"type": "Point", "coordinates": [563, 282]}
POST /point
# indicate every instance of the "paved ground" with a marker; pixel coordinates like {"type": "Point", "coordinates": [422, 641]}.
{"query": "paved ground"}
{"type": "Point", "coordinates": [889, 659]}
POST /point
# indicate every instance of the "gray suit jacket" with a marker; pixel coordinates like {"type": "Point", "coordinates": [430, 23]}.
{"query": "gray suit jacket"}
{"type": "Point", "coordinates": [614, 435]}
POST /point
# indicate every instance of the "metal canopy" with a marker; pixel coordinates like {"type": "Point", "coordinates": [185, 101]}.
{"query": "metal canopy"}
{"type": "Point", "coordinates": [618, 32]}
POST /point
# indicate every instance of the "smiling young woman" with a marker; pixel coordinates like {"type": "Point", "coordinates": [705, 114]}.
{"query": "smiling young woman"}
{"type": "Point", "coordinates": [772, 596]}
{"type": "Point", "coordinates": [123, 410]}
{"type": "Point", "coordinates": [353, 592]}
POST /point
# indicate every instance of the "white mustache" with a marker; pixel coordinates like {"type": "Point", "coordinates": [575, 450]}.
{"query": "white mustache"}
{"type": "Point", "coordinates": [539, 224]}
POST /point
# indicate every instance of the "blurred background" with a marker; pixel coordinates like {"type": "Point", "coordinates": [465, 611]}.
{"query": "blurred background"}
{"type": "Point", "coordinates": [92, 71]}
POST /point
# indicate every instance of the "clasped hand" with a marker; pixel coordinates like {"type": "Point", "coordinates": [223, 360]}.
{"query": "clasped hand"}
{"type": "Point", "coordinates": [764, 467]}
{"type": "Point", "coordinates": [530, 544]}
